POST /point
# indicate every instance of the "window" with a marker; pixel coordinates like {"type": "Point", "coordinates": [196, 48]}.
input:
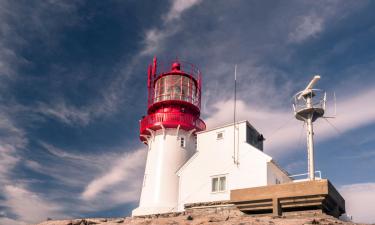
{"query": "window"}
{"type": "Point", "coordinates": [195, 141]}
{"type": "Point", "coordinates": [254, 138]}
{"type": "Point", "coordinates": [220, 135]}
{"type": "Point", "coordinates": [182, 142]}
{"type": "Point", "coordinates": [277, 181]}
{"type": "Point", "coordinates": [219, 184]}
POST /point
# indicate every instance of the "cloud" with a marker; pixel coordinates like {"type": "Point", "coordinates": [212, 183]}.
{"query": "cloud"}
{"type": "Point", "coordinates": [127, 170]}
{"type": "Point", "coordinates": [315, 21]}
{"type": "Point", "coordinates": [155, 37]}
{"type": "Point", "coordinates": [8, 160]}
{"type": "Point", "coordinates": [28, 206]}
{"type": "Point", "coordinates": [178, 7]}
{"type": "Point", "coordinates": [21, 206]}
{"type": "Point", "coordinates": [310, 26]}
{"type": "Point", "coordinates": [19, 24]}
{"type": "Point", "coordinates": [359, 200]}
{"type": "Point", "coordinates": [65, 113]}
{"type": "Point", "coordinates": [280, 128]}
{"type": "Point", "coordinates": [9, 221]}
{"type": "Point", "coordinates": [106, 179]}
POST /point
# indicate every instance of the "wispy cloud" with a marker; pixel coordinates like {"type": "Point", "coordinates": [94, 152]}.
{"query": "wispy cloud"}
{"type": "Point", "coordinates": [127, 170]}
{"type": "Point", "coordinates": [21, 205]}
{"type": "Point", "coordinates": [178, 7]}
{"type": "Point", "coordinates": [310, 26]}
{"type": "Point", "coordinates": [314, 22]}
{"type": "Point", "coordinates": [65, 113]}
{"type": "Point", "coordinates": [29, 207]}
{"type": "Point", "coordinates": [154, 38]}
{"type": "Point", "coordinates": [106, 180]}
{"type": "Point", "coordinates": [359, 200]}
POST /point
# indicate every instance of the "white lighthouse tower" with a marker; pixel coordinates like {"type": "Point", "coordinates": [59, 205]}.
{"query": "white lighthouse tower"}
{"type": "Point", "coordinates": [169, 132]}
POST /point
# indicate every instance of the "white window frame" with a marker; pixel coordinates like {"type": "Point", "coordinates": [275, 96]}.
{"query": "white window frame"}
{"type": "Point", "coordinates": [220, 189]}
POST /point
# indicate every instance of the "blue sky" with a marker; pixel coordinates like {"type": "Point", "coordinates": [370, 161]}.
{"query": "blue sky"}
{"type": "Point", "coordinates": [73, 87]}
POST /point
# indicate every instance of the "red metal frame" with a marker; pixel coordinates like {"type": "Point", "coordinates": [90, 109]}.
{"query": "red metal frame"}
{"type": "Point", "coordinates": [186, 69]}
{"type": "Point", "coordinates": [174, 104]}
{"type": "Point", "coordinates": [171, 120]}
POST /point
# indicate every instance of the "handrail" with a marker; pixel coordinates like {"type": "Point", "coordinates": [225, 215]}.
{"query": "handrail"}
{"type": "Point", "coordinates": [305, 174]}
{"type": "Point", "coordinates": [174, 119]}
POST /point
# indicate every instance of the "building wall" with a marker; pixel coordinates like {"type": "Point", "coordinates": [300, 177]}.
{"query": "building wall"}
{"type": "Point", "coordinates": [275, 175]}
{"type": "Point", "coordinates": [214, 158]}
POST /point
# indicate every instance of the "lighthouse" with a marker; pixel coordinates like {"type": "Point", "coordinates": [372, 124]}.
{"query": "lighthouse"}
{"type": "Point", "coordinates": [191, 168]}
{"type": "Point", "coordinates": [169, 130]}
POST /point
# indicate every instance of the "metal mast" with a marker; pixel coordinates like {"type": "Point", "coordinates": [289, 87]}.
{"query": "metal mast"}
{"type": "Point", "coordinates": [310, 140]}
{"type": "Point", "coordinates": [235, 161]}
{"type": "Point", "coordinates": [308, 110]}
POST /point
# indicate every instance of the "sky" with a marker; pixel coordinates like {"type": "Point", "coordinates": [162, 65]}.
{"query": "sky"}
{"type": "Point", "coordinates": [73, 88]}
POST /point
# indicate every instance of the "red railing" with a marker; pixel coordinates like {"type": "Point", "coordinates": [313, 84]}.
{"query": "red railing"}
{"type": "Point", "coordinates": [171, 120]}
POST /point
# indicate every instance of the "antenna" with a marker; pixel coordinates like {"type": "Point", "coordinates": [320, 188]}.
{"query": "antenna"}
{"type": "Point", "coordinates": [234, 115]}
{"type": "Point", "coordinates": [307, 109]}
{"type": "Point", "coordinates": [309, 87]}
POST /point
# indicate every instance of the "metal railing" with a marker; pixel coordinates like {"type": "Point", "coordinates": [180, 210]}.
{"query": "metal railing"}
{"type": "Point", "coordinates": [165, 97]}
{"type": "Point", "coordinates": [319, 101]}
{"type": "Point", "coordinates": [318, 176]}
{"type": "Point", "coordinates": [173, 120]}
{"type": "Point", "coordinates": [185, 67]}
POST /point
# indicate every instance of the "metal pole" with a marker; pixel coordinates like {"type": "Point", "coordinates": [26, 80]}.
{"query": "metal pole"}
{"type": "Point", "coordinates": [234, 114]}
{"type": "Point", "coordinates": [310, 140]}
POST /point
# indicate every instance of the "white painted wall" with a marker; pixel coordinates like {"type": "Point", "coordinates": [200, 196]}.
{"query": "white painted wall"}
{"type": "Point", "coordinates": [275, 173]}
{"type": "Point", "coordinates": [215, 157]}
{"type": "Point", "coordinates": [165, 156]}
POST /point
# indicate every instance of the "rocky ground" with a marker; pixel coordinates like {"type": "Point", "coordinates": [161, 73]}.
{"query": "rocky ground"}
{"type": "Point", "coordinates": [210, 218]}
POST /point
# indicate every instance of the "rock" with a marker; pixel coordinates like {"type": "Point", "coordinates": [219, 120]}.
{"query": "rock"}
{"type": "Point", "coordinates": [119, 221]}
{"type": "Point", "coordinates": [207, 216]}
{"type": "Point", "coordinates": [214, 219]}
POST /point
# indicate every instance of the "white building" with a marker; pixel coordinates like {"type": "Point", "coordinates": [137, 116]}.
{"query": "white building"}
{"type": "Point", "coordinates": [211, 172]}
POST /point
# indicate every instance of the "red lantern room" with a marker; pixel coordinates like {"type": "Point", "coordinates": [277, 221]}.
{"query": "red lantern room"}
{"type": "Point", "coordinates": [174, 98]}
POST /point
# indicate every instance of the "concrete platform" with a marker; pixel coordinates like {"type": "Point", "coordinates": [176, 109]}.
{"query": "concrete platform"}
{"type": "Point", "coordinates": [279, 199]}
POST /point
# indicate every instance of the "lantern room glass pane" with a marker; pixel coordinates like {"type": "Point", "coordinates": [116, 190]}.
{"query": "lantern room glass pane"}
{"type": "Point", "coordinates": [175, 87]}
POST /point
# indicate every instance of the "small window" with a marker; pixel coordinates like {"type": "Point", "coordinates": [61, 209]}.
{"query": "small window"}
{"type": "Point", "coordinates": [215, 184]}
{"type": "Point", "coordinates": [219, 184]}
{"type": "Point", "coordinates": [219, 135]}
{"type": "Point", "coordinates": [277, 181]}
{"type": "Point", "coordinates": [195, 141]}
{"type": "Point", "coordinates": [182, 142]}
